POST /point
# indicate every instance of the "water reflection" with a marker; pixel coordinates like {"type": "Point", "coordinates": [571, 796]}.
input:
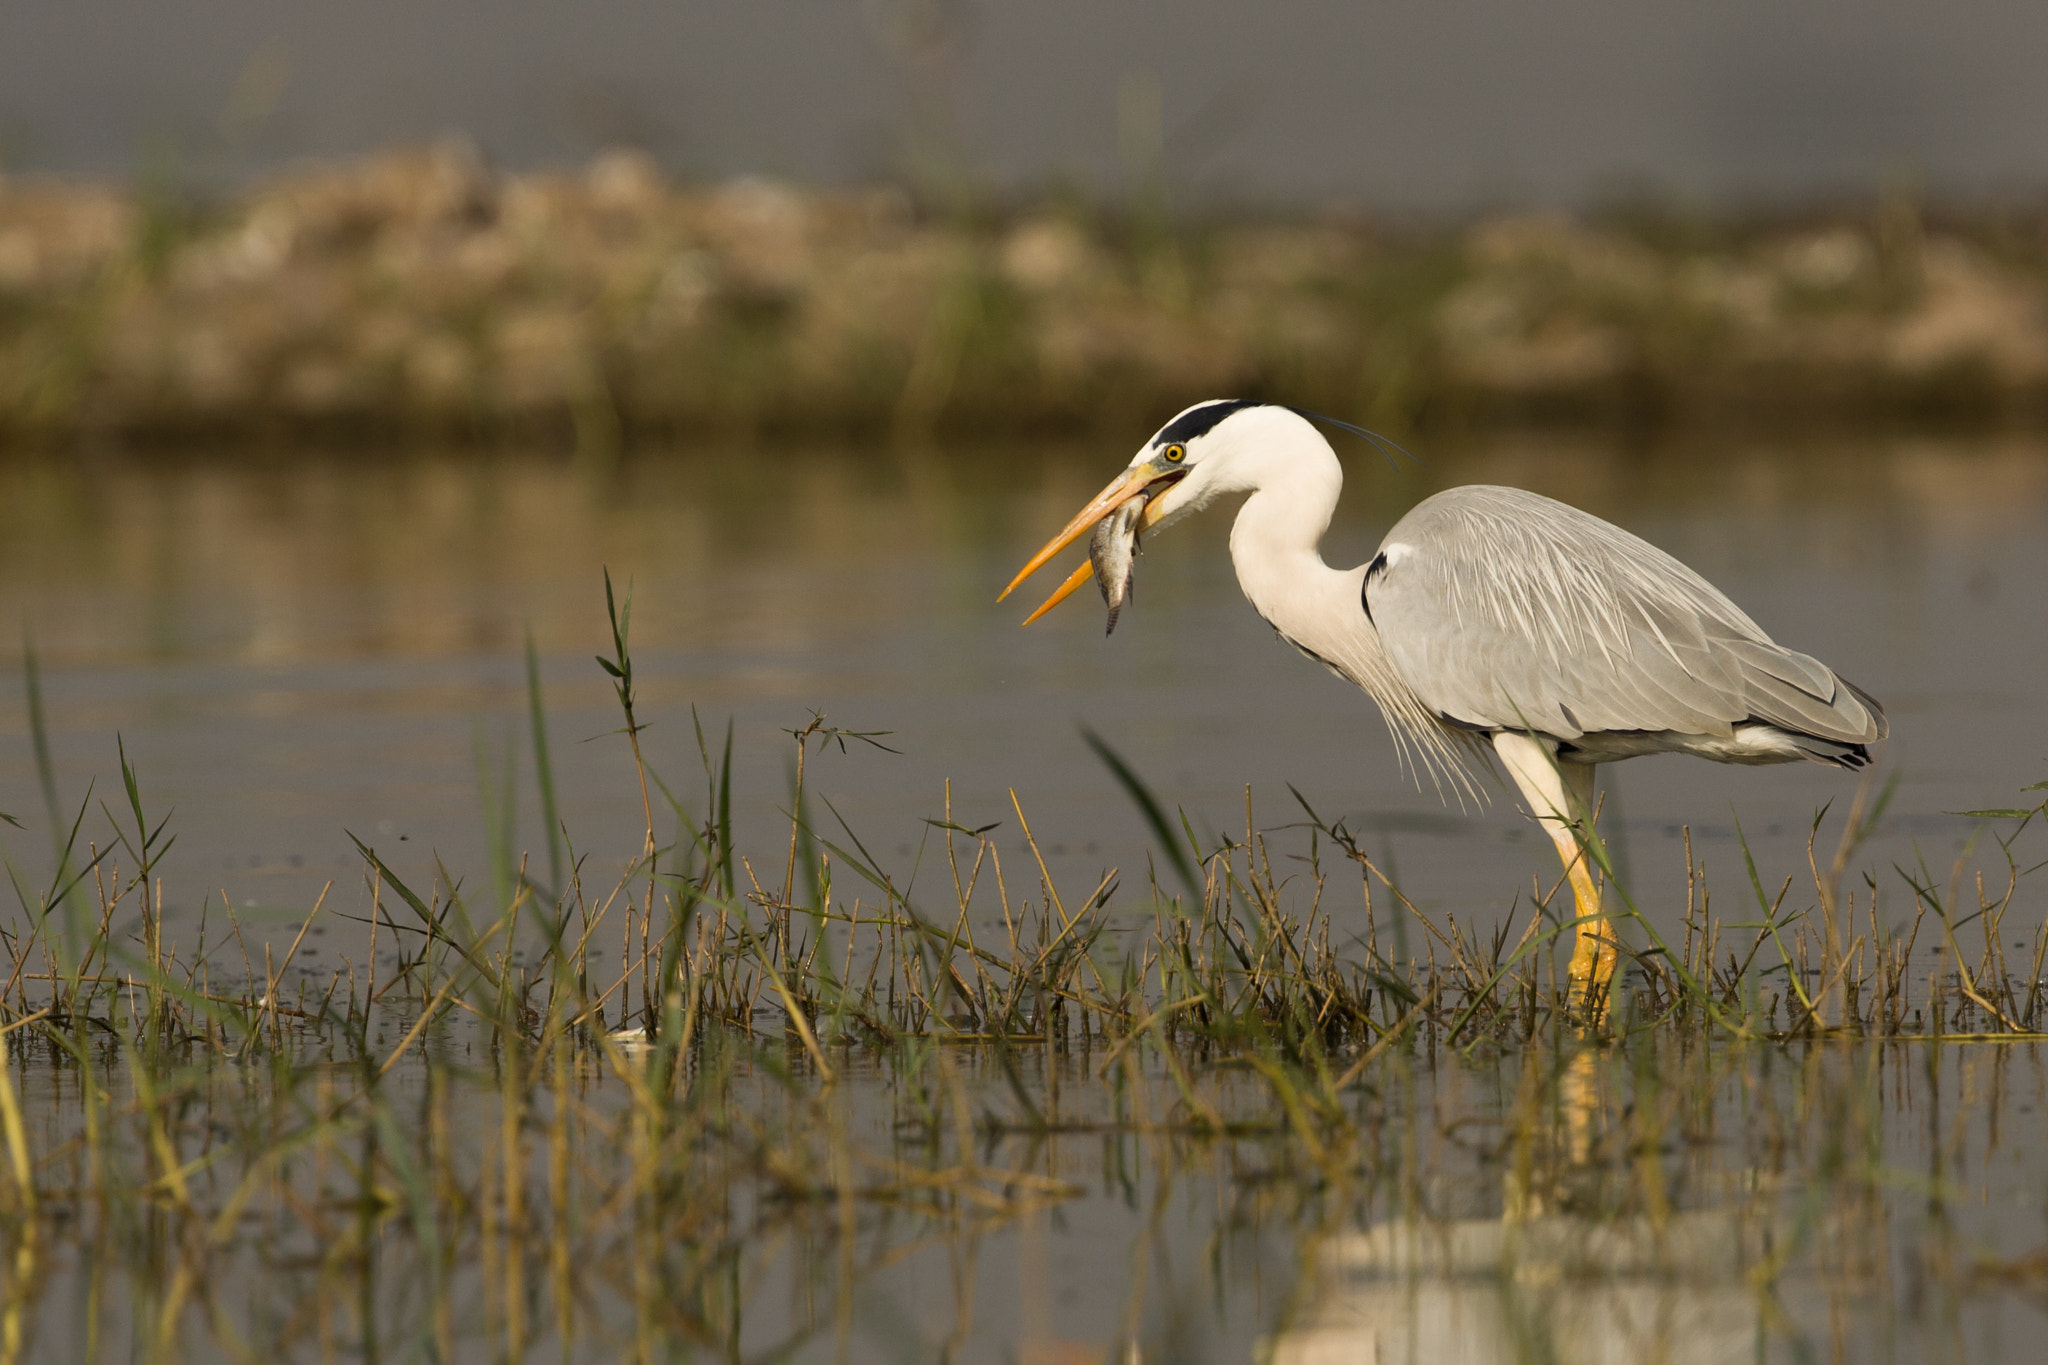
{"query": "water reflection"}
{"type": "Point", "coordinates": [294, 649]}
{"type": "Point", "coordinates": [1840, 1202]}
{"type": "Point", "coordinates": [1554, 1276]}
{"type": "Point", "coordinates": [1559, 1289]}
{"type": "Point", "coordinates": [295, 645]}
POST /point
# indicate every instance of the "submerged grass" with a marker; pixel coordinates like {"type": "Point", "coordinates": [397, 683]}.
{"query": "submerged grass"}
{"type": "Point", "coordinates": [474, 1141]}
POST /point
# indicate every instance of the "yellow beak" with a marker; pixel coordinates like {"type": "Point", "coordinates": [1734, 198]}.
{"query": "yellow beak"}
{"type": "Point", "coordinates": [1127, 486]}
{"type": "Point", "coordinates": [1083, 571]}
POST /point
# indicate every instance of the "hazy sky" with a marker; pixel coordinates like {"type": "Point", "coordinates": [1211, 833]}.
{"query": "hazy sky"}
{"type": "Point", "coordinates": [1429, 103]}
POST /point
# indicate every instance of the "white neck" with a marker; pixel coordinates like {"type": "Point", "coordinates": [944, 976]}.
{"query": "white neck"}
{"type": "Point", "coordinates": [1294, 481]}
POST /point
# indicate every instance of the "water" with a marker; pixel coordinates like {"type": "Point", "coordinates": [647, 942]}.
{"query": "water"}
{"type": "Point", "coordinates": [299, 647]}
{"type": "Point", "coordinates": [294, 648]}
{"type": "Point", "coordinates": [1709, 1204]}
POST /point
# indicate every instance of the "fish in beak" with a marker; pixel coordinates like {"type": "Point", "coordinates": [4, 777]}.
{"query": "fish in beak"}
{"type": "Point", "coordinates": [1113, 554]}
{"type": "Point", "coordinates": [1111, 557]}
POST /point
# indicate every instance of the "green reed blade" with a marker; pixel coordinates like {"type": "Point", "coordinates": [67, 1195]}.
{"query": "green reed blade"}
{"type": "Point", "coordinates": [1148, 805]}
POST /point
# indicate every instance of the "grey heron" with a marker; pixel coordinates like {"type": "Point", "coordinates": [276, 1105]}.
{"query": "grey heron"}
{"type": "Point", "coordinates": [1493, 619]}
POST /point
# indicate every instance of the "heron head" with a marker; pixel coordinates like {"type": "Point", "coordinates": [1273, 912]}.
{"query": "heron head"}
{"type": "Point", "coordinates": [1202, 453]}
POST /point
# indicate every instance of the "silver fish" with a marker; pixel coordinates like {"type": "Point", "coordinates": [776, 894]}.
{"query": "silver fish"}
{"type": "Point", "coordinates": [1114, 552]}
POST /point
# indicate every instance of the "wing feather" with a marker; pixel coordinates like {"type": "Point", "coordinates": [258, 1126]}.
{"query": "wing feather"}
{"type": "Point", "coordinates": [1503, 608]}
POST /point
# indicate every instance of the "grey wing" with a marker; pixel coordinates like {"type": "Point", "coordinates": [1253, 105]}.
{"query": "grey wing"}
{"type": "Point", "coordinates": [1504, 609]}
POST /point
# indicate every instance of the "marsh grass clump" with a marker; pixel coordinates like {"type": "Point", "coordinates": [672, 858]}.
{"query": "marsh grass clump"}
{"type": "Point", "coordinates": [810, 1070]}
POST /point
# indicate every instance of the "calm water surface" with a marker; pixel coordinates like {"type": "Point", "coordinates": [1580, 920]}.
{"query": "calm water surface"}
{"type": "Point", "coordinates": [299, 646]}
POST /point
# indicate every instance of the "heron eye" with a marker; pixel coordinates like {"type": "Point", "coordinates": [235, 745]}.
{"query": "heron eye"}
{"type": "Point", "coordinates": [1176, 453]}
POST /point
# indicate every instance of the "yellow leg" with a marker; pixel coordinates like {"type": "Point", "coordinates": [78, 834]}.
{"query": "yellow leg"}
{"type": "Point", "coordinates": [1560, 796]}
{"type": "Point", "coordinates": [1594, 954]}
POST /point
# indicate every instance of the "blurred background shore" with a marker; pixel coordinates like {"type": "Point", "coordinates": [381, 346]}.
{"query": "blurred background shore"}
{"type": "Point", "coordinates": [420, 293]}
{"type": "Point", "coordinates": [229, 223]}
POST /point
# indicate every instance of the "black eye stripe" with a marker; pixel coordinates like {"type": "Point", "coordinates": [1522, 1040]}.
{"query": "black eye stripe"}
{"type": "Point", "coordinates": [1197, 421]}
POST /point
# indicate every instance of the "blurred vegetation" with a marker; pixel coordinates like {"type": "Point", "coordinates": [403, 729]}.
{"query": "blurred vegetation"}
{"type": "Point", "coordinates": [422, 293]}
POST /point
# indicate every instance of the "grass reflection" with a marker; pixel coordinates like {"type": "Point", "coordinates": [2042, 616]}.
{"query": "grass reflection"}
{"type": "Point", "coordinates": [832, 1114]}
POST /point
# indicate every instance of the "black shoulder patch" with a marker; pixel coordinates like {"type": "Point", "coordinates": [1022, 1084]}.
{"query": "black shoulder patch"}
{"type": "Point", "coordinates": [1378, 566]}
{"type": "Point", "coordinates": [1198, 421]}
